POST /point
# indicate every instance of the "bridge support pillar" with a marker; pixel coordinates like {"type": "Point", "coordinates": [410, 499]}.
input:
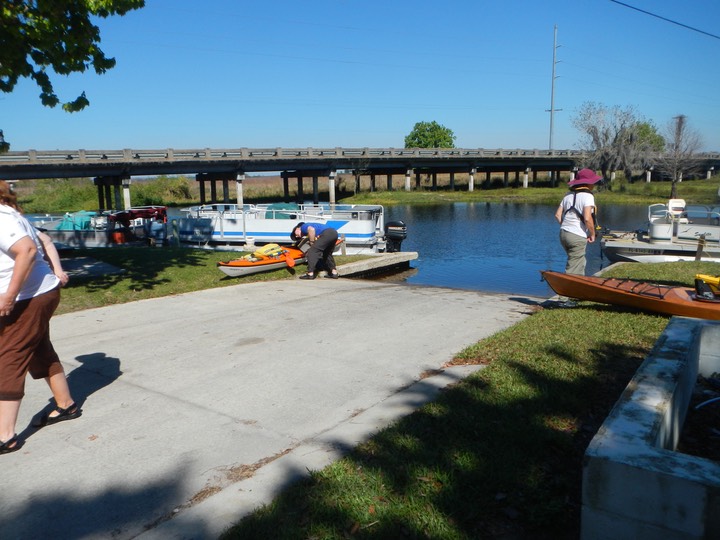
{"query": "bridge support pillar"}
{"type": "Point", "coordinates": [239, 190]}
{"type": "Point", "coordinates": [417, 180]}
{"type": "Point", "coordinates": [434, 181]}
{"type": "Point", "coordinates": [506, 179]}
{"type": "Point", "coordinates": [331, 187]}
{"type": "Point", "coordinates": [126, 193]}
{"type": "Point", "coordinates": [372, 182]}
{"type": "Point", "coordinates": [203, 196]}
{"type": "Point", "coordinates": [109, 196]}
{"type": "Point", "coordinates": [471, 180]}
{"type": "Point", "coordinates": [316, 189]}
{"type": "Point", "coordinates": [488, 177]}
{"type": "Point", "coordinates": [389, 182]}
{"type": "Point", "coordinates": [226, 190]}
{"type": "Point", "coordinates": [408, 174]}
{"type": "Point", "coordinates": [300, 193]}
{"type": "Point", "coordinates": [286, 187]}
{"type": "Point", "coordinates": [452, 181]}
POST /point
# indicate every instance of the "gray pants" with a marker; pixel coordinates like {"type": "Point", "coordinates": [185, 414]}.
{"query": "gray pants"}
{"type": "Point", "coordinates": [322, 250]}
{"type": "Point", "coordinates": [574, 246]}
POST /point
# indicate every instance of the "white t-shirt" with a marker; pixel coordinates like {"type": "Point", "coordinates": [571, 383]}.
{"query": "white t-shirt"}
{"type": "Point", "coordinates": [572, 221]}
{"type": "Point", "coordinates": [14, 227]}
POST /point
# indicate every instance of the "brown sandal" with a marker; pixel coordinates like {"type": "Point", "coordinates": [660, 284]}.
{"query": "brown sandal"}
{"type": "Point", "coordinates": [72, 412]}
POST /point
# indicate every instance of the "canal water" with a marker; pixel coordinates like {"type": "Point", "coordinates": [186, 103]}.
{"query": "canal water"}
{"type": "Point", "coordinates": [495, 247]}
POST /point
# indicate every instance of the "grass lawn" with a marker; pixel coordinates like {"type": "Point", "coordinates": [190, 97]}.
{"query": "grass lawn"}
{"type": "Point", "coordinates": [155, 272]}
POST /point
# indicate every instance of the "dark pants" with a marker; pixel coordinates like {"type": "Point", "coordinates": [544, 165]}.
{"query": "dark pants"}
{"type": "Point", "coordinates": [322, 250]}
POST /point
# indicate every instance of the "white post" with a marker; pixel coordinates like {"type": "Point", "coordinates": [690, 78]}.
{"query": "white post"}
{"type": "Point", "coordinates": [408, 175]}
{"type": "Point", "coordinates": [239, 190]}
{"type": "Point", "coordinates": [648, 175]}
{"type": "Point", "coordinates": [126, 193]}
{"type": "Point", "coordinates": [331, 187]}
{"type": "Point", "coordinates": [680, 176]}
{"type": "Point", "coordinates": [525, 178]}
{"type": "Point", "coordinates": [471, 180]}
{"type": "Point", "coordinates": [249, 242]}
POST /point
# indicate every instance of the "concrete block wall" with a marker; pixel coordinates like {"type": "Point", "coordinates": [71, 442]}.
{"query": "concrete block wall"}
{"type": "Point", "coordinates": [635, 486]}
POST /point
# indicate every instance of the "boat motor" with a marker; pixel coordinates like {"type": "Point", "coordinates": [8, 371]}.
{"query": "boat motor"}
{"type": "Point", "coordinates": [395, 233]}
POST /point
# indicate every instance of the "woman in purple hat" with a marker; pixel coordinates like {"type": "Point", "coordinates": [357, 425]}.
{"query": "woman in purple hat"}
{"type": "Point", "coordinates": [576, 216]}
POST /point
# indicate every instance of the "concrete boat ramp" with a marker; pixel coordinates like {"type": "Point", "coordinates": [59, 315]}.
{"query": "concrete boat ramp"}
{"type": "Point", "coordinates": [200, 407]}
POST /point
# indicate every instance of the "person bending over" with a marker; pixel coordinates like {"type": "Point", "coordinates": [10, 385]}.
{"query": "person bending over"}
{"type": "Point", "coordinates": [322, 240]}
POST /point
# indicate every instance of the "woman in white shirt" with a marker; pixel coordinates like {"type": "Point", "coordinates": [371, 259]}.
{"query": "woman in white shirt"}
{"type": "Point", "coordinates": [29, 295]}
{"type": "Point", "coordinates": [576, 216]}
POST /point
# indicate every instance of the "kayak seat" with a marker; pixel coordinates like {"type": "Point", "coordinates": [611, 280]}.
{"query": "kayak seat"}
{"type": "Point", "coordinates": [703, 290]}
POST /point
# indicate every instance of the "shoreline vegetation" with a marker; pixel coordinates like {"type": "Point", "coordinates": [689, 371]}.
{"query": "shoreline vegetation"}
{"type": "Point", "coordinates": [70, 195]}
{"type": "Point", "coordinates": [498, 455]}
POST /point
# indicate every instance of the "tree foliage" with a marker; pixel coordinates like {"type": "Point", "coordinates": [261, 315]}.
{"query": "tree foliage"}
{"type": "Point", "coordinates": [430, 135]}
{"type": "Point", "coordinates": [38, 36]}
{"type": "Point", "coordinates": [619, 138]}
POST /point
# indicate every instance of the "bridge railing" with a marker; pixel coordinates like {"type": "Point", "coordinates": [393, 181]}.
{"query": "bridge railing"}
{"type": "Point", "coordinates": [126, 155]}
{"type": "Point", "coordinates": [170, 155]}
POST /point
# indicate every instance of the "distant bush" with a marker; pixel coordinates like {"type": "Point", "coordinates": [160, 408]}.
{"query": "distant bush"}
{"type": "Point", "coordinates": [54, 196]}
{"type": "Point", "coordinates": [164, 190]}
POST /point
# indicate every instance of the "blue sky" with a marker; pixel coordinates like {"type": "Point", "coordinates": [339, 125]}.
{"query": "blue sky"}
{"type": "Point", "coordinates": [351, 73]}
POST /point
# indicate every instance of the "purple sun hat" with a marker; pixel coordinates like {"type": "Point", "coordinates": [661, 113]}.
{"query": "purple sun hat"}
{"type": "Point", "coordinates": [585, 177]}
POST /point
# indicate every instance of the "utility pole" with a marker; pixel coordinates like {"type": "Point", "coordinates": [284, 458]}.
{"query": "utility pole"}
{"type": "Point", "coordinates": [552, 87]}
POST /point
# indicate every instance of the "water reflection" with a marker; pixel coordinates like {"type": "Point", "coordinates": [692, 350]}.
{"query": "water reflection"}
{"type": "Point", "coordinates": [495, 247]}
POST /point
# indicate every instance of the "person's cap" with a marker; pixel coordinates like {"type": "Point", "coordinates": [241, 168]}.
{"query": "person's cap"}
{"type": "Point", "coordinates": [585, 177]}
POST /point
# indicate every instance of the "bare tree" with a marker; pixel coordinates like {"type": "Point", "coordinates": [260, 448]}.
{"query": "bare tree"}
{"type": "Point", "coordinates": [678, 159]}
{"type": "Point", "coordinates": [619, 138]}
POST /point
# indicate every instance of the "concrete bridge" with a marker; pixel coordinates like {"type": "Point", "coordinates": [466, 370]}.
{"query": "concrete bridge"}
{"type": "Point", "coordinates": [112, 169]}
{"type": "Point", "coordinates": [128, 162]}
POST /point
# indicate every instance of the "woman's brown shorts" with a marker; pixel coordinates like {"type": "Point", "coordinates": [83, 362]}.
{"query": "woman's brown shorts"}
{"type": "Point", "coordinates": [25, 345]}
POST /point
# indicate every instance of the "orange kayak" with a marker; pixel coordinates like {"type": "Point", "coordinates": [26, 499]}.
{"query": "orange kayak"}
{"type": "Point", "coordinates": [258, 262]}
{"type": "Point", "coordinates": [643, 296]}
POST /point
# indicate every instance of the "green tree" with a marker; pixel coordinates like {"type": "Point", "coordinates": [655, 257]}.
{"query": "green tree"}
{"type": "Point", "coordinates": [38, 37]}
{"type": "Point", "coordinates": [648, 135]}
{"type": "Point", "coordinates": [430, 135]}
{"type": "Point", "coordinates": [4, 147]}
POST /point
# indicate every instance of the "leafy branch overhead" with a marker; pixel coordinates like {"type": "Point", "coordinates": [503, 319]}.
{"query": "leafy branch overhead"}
{"type": "Point", "coordinates": [42, 37]}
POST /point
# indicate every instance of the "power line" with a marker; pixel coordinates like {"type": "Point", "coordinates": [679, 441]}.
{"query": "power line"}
{"type": "Point", "coordinates": [666, 19]}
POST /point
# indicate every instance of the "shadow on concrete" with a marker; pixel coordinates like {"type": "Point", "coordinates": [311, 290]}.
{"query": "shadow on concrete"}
{"type": "Point", "coordinates": [114, 512]}
{"type": "Point", "coordinates": [95, 373]}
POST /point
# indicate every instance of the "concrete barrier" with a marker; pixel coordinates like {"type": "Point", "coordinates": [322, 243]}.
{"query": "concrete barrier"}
{"type": "Point", "coordinates": [635, 486]}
